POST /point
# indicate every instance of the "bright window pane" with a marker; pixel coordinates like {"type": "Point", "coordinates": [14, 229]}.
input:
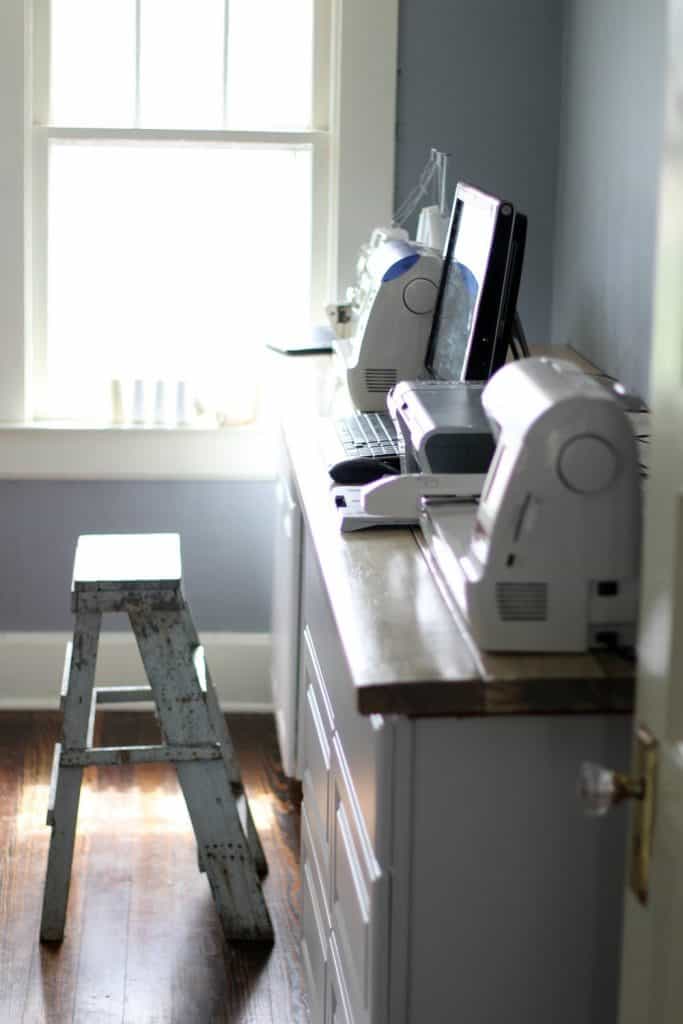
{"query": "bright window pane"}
{"type": "Point", "coordinates": [181, 63]}
{"type": "Point", "coordinates": [270, 48]}
{"type": "Point", "coordinates": [172, 262]}
{"type": "Point", "coordinates": [93, 62]}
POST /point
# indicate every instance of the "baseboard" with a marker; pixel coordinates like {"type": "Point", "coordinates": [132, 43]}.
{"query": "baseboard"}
{"type": "Point", "coordinates": [31, 668]}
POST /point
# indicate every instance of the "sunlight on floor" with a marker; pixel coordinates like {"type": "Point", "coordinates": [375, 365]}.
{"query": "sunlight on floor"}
{"type": "Point", "coordinates": [134, 810]}
{"type": "Point", "coordinates": [262, 812]}
{"type": "Point", "coordinates": [111, 810]}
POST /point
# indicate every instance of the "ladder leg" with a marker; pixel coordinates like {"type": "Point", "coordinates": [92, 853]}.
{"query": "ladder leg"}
{"type": "Point", "coordinates": [232, 767]}
{"type": "Point", "coordinates": [224, 852]}
{"type": "Point", "coordinates": [60, 857]}
{"type": "Point", "coordinates": [220, 728]}
{"type": "Point", "coordinates": [180, 690]}
{"type": "Point", "coordinates": [75, 724]}
{"type": "Point", "coordinates": [215, 713]}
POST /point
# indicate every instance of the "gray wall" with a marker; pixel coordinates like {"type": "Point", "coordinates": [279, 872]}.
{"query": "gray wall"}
{"type": "Point", "coordinates": [485, 81]}
{"type": "Point", "coordinates": [481, 80]}
{"type": "Point", "coordinates": [226, 532]}
{"type": "Point", "coordinates": [478, 78]}
{"type": "Point", "coordinates": [611, 116]}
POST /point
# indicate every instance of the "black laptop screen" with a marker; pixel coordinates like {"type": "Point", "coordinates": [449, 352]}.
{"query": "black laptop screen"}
{"type": "Point", "coordinates": [466, 259]}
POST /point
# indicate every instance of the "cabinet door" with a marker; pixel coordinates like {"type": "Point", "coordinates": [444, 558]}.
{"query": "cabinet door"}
{"type": "Point", "coordinates": [359, 735]}
{"type": "Point", "coordinates": [315, 925]}
{"type": "Point", "coordinates": [337, 1000]}
{"type": "Point", "coordinates": [286, 619]}
{"type": "Point", "coordinates": [315, 758]}
{"type": "Point", "coordinates": [355, 878]}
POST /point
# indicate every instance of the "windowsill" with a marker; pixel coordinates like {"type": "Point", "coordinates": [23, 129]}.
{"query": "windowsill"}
{"type": "Point", "coordinates": [68, 451]}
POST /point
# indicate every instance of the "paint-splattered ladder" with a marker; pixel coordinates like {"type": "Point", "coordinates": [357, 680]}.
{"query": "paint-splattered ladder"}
{"type": "Point", "coordinates": [140, 574]}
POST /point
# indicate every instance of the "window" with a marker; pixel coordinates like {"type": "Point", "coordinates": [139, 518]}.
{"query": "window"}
{"type": "Point", "coordinates": [178, 219]}
{"type": "Point", "coordinates": [165, 209]}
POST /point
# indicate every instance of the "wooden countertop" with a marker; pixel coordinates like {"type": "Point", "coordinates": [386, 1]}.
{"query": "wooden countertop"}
{"type": "Point", "coordinates": [406, 651]}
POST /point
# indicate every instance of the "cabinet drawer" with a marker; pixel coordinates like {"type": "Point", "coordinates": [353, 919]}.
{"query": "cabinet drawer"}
{"type": "Point", "coordinates": [350, 906]}
{"type": "Point", "coordinates": [337, 1000]}
{"type": "Point", "coordinates": [360, 736]}
{"type": "Point", "coordinates": [320, 871]}
{"type": "Point", "coordinates": [315, 678]}
{"type": "Point", "coordinates": [315, 926]}
{"type": "Point", "coordinates": [354, 875]}
{"type": "Point", "coordinates": [315, 775]}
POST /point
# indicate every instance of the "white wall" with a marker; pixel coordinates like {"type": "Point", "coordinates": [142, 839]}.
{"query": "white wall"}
{"type": "Point", "coordinates": [31, 667]}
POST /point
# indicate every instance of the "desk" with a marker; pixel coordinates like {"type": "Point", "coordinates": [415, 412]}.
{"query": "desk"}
{"type": "Point", "coordinates": [448, 872]}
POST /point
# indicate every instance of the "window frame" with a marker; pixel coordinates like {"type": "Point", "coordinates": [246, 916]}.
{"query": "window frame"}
{"type": "Point", "coordinates": [352, 139]}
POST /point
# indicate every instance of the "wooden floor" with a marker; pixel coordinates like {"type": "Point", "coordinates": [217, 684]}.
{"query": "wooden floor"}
{"type": "Point", "coordinates": [143, 944]}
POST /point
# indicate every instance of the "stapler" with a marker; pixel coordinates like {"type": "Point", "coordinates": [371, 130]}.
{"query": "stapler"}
{"type": "Point", "coordinates": [398, 500]}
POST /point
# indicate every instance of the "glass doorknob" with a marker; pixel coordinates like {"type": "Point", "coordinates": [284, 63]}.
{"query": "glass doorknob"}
{"type": "Point", "coordinates": [600, 788]}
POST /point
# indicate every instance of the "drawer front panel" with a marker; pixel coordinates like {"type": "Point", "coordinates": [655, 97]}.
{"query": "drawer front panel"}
{"type": "Point", "coordinates": [350, 903]}
{"type": "Point", "coordinates": [355, 878]}
{"type": "Point", "coordinates": [314, 940]}
{"type": "Point", "coordinates": [316, 680]}
{"type": "Point", "coordinates": [338, 1008]}
{"type": "Point", "coordinates": [359, 735]}
{"type": "Point", "coordinates": [320, 872]}
{"type": "Point", "coordinates": [316, 777]}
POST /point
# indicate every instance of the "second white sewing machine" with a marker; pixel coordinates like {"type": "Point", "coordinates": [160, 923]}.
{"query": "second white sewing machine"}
{"type": "Point", "coordinates": [548, 560]}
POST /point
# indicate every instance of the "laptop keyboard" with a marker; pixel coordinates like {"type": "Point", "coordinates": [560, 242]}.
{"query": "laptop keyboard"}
{"type": "Point", "coordinates": [369, 435]}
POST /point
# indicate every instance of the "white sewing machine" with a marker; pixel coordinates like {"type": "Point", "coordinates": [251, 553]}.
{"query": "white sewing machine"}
{"type": "Point", "coordinates": [390, 339]}
{"type": "Point", "coordinates": [549, 560]}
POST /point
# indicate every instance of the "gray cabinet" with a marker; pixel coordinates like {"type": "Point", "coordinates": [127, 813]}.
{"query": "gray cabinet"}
{"type": "Point", "coordinates": [448, 873]}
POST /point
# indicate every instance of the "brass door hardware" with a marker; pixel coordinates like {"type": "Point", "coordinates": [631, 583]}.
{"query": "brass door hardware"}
{"type": "Point", "coordinates": [601, 789]}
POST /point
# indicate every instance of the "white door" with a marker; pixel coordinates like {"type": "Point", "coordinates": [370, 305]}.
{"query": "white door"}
{"type": "Point", "coordinates": [652, 962]}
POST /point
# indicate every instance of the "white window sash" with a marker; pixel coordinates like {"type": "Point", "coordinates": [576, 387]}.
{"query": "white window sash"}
{"type": "Point", "coordinates": [317, 141]}
{"type": "Point", "coordinates": [362, 128]}
{"type": "Point", "coordinates": [15, 209]}
{"type": "Point", "coordinates": [355, 56]}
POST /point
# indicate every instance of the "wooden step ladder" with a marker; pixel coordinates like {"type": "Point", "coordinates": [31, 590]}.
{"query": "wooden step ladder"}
{"type": "Point", "coordinates": [140, 574]}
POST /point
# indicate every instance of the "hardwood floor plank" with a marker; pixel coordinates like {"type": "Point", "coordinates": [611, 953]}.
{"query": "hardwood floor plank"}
{"type": "Point", "coordinates": [15, 877]}
{"type": "Point", "coordinates": [167, 890]}
{"type": "Point", "coordinates": [101, 981]}
{"type": "Point", "coordinates": [49, 984]}
{"type": "Point", "coordinates": [270, 799]}
{"type": "Point", "coordinates": [143, 944]}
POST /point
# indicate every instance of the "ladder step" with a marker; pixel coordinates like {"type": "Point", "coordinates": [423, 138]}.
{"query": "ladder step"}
{"type": "Point", "coordinates": [250, 833]}
{"type": "Point", "coordinates": [53, 783]}
{"type": "Point", "coordinates": [65, 675]}
{"type": "Point", "coordinates": [140, 755]}
{"type": "Point", "coordinates": [123, 694]}
{"type": "Point", "coordinates": [199, 660]}
{"type": "Point", "coordinates": [91, 720]}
